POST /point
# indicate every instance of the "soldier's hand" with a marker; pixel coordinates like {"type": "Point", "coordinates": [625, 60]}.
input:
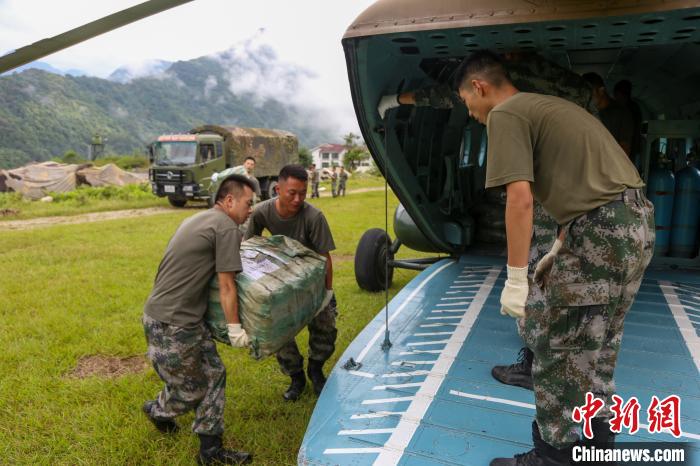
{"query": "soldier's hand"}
{"type": "Point", "coordinates": [545, 264]}
{"type": "Point", "coordinates": [237, 336]}
{"type": "Point", "coordinates": [514, 294]}
{"type": "Point", "coordinates": [387, 102]}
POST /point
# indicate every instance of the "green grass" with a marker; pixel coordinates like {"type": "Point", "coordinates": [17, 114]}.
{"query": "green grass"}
{"type": "Point", "coordinates": [76, 290]}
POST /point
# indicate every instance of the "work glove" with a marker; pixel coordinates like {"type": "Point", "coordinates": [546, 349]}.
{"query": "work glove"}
{"type": "Point", "coordinates": [387, 102]}
{"type": "Point", "coordinates": [237, 336]}
{"type": "Point", "coordinates": [545, 264]}
{"type": "Point", "coordinates": [514, 294]}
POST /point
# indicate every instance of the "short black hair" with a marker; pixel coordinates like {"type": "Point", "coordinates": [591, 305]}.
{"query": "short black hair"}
{"type": "Point", "coordinates": [624, 87]}
{"type": "Point", "coordinates": [483, 64]}
{"type": "Point", "coordinates": [233, 185]}
{"type": "Point", "coordinates": [293, 171]}
{"type": "Point", "coordinates": [594, 79]}
{"type": "Point", "coordinates": [250, 158]}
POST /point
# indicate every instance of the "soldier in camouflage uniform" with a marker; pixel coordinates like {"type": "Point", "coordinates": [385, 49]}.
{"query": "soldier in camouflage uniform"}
{"type": "Point", "coordinates": [342, 181]}
{"type": "Point", "coordinates": [315, 176]}
{"type": "Point", "coordinates": [180, 346]}
{"type": "Point", "coordinates": [529, 72]}
{"type": "Point", "coordinates": [560, 155]}
{"type": "Point", "coordinates": [289, 215]}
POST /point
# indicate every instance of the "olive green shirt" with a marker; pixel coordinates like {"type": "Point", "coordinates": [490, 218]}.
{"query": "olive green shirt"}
{"type": "Point", "coordinates": [206, 243]}
{"type": "Point", "coordinates": [572, 161]}
{"type": "Point", "coordinates": [308, 226]}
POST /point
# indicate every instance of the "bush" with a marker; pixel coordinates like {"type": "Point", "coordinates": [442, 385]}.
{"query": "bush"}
{"type": "Point", "coordinates": [125, 162]}
{"type": "Point", "coordinates": [84, 194]}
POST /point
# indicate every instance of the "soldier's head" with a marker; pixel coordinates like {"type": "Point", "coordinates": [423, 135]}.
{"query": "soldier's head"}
{"type": "Point", "coordinates": [313, 166]}
{"type": "Point", "coordinates": [291, 188]}
{"type": "Point", "coordinates": [600, 94]}
{"type": "Point", "coordinates": [249, 164]}
{"type": "Point", "coordinates": [482, 82]}
{"type": "Point", "coordinates": [235, 197]}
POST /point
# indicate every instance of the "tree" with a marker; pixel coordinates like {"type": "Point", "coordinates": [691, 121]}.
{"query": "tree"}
{"type": "Point", "coordinates": [305, 159]}
{"type": "Point", "coordinates": [353, 157]}
{"type": "Point", "coordinates": [349, 140]}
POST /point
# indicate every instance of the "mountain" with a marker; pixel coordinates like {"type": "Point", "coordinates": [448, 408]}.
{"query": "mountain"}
{"type": "Point", "coordinates": [43, 115]}
{"type": "Point", "coordinates": [40, 65]}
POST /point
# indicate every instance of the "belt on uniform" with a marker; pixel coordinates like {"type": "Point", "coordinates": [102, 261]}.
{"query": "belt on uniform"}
{"type": "Point", "coordinates": [632, 194]}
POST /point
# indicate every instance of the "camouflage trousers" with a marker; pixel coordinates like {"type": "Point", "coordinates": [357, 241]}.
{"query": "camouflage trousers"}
{"type": "Point", "coordinates": [322, 335]}
{"type": "Point", "coordinates": [334, 187]}
{"type": "Point", "coordinates": [341, 188]}
{"type": "Point", "coordinates": [314, 189]}
{"type": "Point", "coordinates": [574, 326]}
{"type": "Point", "coordinates": [195, 378]}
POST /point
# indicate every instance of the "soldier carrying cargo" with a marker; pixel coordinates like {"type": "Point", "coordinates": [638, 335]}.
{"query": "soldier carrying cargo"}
{"type": "Point", "coordinates": [291, 216]}
{"type": "Point", "coordinates": [180, 345]}
{"type": "Point", "coordinates": [334, 182]}
{"type": "Point", "coordinates": [315, 180]}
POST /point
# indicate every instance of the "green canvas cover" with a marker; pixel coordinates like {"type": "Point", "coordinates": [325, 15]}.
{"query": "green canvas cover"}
{"type": "Point", "coordinates": [281, 288]}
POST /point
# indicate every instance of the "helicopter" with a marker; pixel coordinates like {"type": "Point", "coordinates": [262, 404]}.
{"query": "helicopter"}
{"type": "Point", "coordinates": [414, 387]}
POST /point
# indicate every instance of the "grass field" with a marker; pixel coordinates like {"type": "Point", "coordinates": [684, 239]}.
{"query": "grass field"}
{"type": "Point", "coordinates": [77, 290]}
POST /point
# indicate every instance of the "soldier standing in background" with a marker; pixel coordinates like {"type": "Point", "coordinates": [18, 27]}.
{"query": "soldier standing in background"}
{"type": "Point", "coordinates": [605, 243]}
{"type": "Point", "coordinates": [180, 345]}
{"type": "Point", "coordinates": [616, 117]}
{"type": "Point", "coordinates": [315, 180]}
{"type": "Point", "coordinates": [249, 165]}
{"type": "Point", "coordinates": [289, 215]}
{"type": "Point", "coordinates": [334, 182]}
{"type": "Point", "coordinates": [342, 180]}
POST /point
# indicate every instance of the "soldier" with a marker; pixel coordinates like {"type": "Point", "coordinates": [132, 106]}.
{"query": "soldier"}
{"type": "Point", "coordinates": [562, 156]}
{"type": "Point", "coordinates": [342, 180]}
{"type": "Point", "coordinates": [315, 180]}
{"type": "Point", "coordinates": [529, 72]}
{"type": "Point", "coordinates": [249, 164]}
{"type": "Point", "coordinates": [616, 117]}
{"type": "Point", "coordinates": [180, 345]}
{"type": "Point", "coordinates": [291, 216]}
{"type": "Point", "coordinates": [334, 181]}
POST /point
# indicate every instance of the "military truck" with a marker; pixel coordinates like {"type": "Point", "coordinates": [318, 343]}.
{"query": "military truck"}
{"type": "Point", "coordinates": [182, 164]}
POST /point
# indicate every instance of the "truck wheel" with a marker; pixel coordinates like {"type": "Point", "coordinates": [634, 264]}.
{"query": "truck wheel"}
{"type": "Point", "coordinates": [271, 191]}
{"type": "Point", "coordinates": [175, 202]}
{"type": "Point", "coordinates": [370, 260]}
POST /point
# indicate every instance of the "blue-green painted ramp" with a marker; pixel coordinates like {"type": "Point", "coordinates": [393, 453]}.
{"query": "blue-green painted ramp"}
{"type": "Point", "coordinates": [431, 400]}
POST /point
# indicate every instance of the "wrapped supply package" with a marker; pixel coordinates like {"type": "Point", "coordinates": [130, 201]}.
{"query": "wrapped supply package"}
{"type": "Point", "coordinates": [280, 290]}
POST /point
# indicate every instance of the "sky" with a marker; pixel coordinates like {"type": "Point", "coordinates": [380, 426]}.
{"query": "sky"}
{"type": "Point", "coordinates": [302, 34]}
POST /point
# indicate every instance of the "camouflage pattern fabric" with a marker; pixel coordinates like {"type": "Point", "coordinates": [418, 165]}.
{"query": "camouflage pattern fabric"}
{"type": "Point", "coordinates": [334, 184]}
{"type": "Point", "coordinates": [341, 185]}
{"type": "Point", "coordinates": [544, 232]}
{"type": "Point", "coordinates": [529, 72]}
{"type": "Point", "coordinates": [195, 378]}
{"type": "Point", "coordinates": [314, 189]}
{"type": "Point", "coordinates": [591, 286]}
{"type": "Point", "coordinates": [322, 335]}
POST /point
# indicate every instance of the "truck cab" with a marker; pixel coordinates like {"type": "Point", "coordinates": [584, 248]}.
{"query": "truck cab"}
{"type": "Point", "coordinates": [180, 161]}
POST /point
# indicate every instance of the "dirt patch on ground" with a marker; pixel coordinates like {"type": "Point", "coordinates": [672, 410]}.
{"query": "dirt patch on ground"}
{"type": "Point", "coordinates": [109, 367]}
{"type": "Point", "coordinates": [82, 218]}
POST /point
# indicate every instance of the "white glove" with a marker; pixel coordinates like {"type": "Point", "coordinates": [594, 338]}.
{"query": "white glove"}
{"type": "Point", "coordinates": [237, 336]}
{"type": "Point", "coordinates": [387, 102]}
{"type": "Point", "coordinates": [214, 177]}
{"type": "Point", "coordinates": [514, 294]}
{"type": "Point", "coordinates": [545, 264]}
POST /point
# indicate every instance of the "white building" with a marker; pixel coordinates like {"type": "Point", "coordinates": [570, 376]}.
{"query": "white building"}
{"type": "Point", "coordinates": [329, 155]}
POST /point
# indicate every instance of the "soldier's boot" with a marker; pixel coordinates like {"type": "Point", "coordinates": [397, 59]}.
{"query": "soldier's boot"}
{"type": "Point", "coordinates": [602, 438]}
{"type": "Point", "coordinates": [542, 455]}
{"type": "Point", "coordinates": [211, 451]}
{"type": "Point", "coordinates": [519, 374]}
{"type": "Point", "coordinates": [166, 426]}
{"type": "Point", "coordinates": [315, 371]}
{"type": "Point", "coordinates": [296, 387]}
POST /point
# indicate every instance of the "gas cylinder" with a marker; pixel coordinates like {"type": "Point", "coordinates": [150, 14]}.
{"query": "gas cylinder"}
{"type": "Point", "coordinates": [686, 210]}
{"type": "Point", "coordinates": [660, 191]}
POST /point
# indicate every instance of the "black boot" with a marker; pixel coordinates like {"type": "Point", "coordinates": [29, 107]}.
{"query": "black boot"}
{"type": "Point", "coordinates": [296, 387]}
{"type": "Point", "coordinates": [519, 374]}
{"type": "Point", "coordinates": [167, 426]}
{"type": "Point", "coordinates": [602, 438]}
{"type": "Point", "coordinates": [211, 451]}
{"type": "Point", "coordinates": [542, 455]}
{"type": "Point", "coordinates": [315, 371]}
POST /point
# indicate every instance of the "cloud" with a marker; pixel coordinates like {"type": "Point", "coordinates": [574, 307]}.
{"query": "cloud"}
{"type": "Point", "coordinates": [209, 85]}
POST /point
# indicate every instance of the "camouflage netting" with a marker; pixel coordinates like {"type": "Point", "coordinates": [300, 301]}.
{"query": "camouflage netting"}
{"type": "Point", "coordinates": [281, 288]}
{"type": "Point", "coordinates": [38, 180]}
